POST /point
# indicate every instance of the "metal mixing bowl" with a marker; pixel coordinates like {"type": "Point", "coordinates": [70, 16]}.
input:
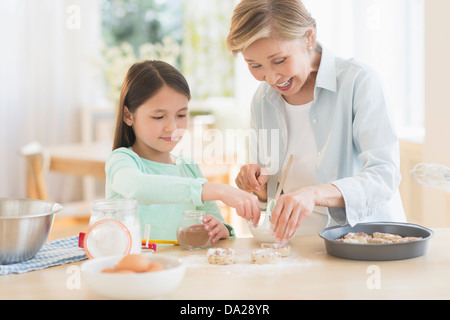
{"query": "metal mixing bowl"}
{"type": "Point", "coordinates": [24, 227]}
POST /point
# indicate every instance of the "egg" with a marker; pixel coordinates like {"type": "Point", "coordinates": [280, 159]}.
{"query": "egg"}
{"type": "Point", "coordinates": [109, 270]}
{"type": "Point", "coordinates": [124, 271]}
{"type": "Point", "coordinates": [133, 262]}
{"type": "Point", "coordinates": [155, 266]}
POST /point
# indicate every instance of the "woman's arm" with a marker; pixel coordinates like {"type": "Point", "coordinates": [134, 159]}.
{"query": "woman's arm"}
{"type": "Point", "coordinates": [368, 192]}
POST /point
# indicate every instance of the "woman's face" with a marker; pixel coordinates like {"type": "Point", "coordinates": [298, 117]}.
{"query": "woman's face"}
{"type": "Point", "coordinates": [283, 64]}
{"type": "Point", "coordinates": [159, 123]}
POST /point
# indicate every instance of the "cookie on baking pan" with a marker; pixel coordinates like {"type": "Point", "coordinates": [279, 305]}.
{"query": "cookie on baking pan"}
{"type": "Point", "coordinates": [221, 256]}
{"type": "Point", "coordinates": [265, 256]}
{"type": "Point", "coordinates": [285, 250]}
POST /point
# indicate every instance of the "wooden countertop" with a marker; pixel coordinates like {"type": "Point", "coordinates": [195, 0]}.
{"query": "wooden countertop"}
{"type": "Point", "coordinates": [309, 273]}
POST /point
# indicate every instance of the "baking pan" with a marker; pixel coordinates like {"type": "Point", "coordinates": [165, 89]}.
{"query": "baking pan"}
{"type": "Point", "coordinates": [376, 251]}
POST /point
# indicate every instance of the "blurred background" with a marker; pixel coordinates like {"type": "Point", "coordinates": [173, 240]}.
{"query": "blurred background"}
{"type": "Point", "coordinates": [63, 62]}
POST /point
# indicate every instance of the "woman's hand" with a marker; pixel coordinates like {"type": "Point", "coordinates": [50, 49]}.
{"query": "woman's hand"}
{"type": "Point", "coordinates": [289, 213]}
{"type": "Point", "coordinates": [253, 178]}
{"type": "Point", "coordinates": [216, 229]}
{"type": "Point", "coordinates": [246, 204]}
{"type": "Point", "coordinates": [293, 208]}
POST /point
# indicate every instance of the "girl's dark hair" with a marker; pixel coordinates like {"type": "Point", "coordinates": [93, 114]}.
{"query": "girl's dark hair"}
{"type": "Point", "coordinates": [143, 81]}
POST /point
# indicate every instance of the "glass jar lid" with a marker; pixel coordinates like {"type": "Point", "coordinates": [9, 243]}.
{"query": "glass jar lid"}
{"type": "Point", "coordinates": [107, 237]}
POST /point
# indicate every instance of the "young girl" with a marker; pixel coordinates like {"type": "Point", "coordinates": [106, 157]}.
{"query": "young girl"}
{"type": "Point", "coordinates": [152, 115]}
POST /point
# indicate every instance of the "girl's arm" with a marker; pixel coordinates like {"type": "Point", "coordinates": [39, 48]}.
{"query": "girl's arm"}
{"type": "Point", "coordinates": [246, 204]}
{"type": "Point", "coordinates": [125, 178]}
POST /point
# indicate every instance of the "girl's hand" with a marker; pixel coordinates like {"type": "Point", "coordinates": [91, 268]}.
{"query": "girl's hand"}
{"type": "Point", "coordinates": [216, 229]}
{"type": "Point", "coordinates": [253, 178]}
{"type": "Point", "coordinates": [246, 204]}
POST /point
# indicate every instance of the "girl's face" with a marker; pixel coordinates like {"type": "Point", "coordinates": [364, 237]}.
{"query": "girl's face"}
{"type": "Point", "coordinates": [159, 124]}
{"type": "Point", "coordinates": [284, 64]}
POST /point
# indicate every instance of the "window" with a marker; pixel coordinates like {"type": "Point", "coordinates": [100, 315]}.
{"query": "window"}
{"type": "Point", "coordinates": [188, 34]}
{"type": "Point", "coordinates": [141, 21]}
{"type": "Point", "coordinates": [135, 30]}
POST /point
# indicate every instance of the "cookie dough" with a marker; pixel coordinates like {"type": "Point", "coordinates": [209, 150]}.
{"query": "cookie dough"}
{"type": "Point", "coordinates": [377, 237]}
{"type": "Point", "coordinates": [265, 256]}
{"type": "Point", "coordinates": [285, 250]}
{"type": "Point", "coordinates": [221, 256]}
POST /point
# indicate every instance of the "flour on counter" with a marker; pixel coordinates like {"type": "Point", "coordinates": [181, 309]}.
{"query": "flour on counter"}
{"type": "Point", "coordinates": [243, 266]}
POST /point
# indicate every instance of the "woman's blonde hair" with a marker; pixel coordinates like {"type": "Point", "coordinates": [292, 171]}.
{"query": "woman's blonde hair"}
{"type": "Point", "coordinates": [256, 19]}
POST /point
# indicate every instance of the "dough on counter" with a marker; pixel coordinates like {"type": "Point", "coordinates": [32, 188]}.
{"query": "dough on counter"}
{"type": "Point", "coordinates": [221, 256]}
{"type": "Point", "coordinates": [265, 256]}
{"type": "Point", "coordinates": [285, 250]}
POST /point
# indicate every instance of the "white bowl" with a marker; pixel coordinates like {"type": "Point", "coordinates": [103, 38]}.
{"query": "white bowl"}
{"type": "Point", "coordinates": [262, 232]}
{"type": "Point", "coordinates": [148, 285]}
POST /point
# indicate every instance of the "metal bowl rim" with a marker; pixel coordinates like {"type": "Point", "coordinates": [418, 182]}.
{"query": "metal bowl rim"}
{"type": "Point", "coordinates": [56, 207]}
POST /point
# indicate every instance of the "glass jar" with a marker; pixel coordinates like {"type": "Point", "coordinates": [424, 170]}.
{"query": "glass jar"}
{"type": "Point", "coordinates": [191, 233]}
{"type": "Point", "coordinates": [114, 228]}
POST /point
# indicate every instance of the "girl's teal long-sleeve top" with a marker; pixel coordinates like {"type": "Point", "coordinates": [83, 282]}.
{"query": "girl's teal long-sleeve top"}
{"type": "Point", "coordinates": [163, 191]}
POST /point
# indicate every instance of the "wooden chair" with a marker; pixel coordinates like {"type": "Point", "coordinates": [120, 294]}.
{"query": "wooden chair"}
{"type": "Point", "coordinates": [37, 166]}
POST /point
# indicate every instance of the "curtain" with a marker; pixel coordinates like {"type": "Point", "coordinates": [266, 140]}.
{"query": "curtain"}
{"type": "Point", "coordinates": [387, 35]}
{"type": "Point", "coordinates": [47, 73]}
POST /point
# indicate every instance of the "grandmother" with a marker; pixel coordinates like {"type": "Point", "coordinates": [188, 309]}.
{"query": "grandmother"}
{"type": "Point", "coordinates": [332, 116]}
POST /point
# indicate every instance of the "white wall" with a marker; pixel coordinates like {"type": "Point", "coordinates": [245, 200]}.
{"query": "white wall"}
{"type": "Point", "coordinates": [436, 204]}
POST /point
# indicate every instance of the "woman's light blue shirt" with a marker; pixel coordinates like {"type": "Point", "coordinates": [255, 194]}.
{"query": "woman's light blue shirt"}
{"type": "Point", "coordinates": [356, 140]}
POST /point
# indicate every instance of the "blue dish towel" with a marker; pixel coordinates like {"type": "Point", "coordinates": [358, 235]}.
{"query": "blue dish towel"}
{"type": "Point", "coordinates": [52, 253]}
